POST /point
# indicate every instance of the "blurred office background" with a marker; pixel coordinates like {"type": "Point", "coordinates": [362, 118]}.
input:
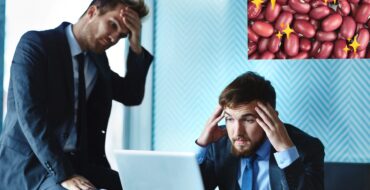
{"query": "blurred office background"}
{"type": "Point", "coordinates": [199, 47]}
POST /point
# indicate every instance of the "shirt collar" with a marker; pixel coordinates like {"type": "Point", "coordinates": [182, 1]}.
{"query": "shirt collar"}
{"type": "Point", "coordinates": [73, 44]}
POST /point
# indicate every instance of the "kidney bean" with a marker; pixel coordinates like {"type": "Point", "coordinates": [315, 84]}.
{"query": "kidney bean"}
{"type": "Point", "coordinates": [252, 36]}
{"type": "Point", "coordinates": [301, 55]}
{"type": "Point", "coordinates": [368, 53]}
{"type": "Point", "coordinates": [354, 1]}
{"type": "Point", "coordinates": [284, 18]}
{"type": "Point", "coordinates": [288, 9]}
{"type": "Point", "coordinates": [281, 55]}
{"type": "Point", "coordinates": [357, 55]}
{"type": "Point", "coordinates": [291, 45]}
{"type": "Point", "coordinates": [320, 12]}
{"type": "Point", "coordinates": [359, 26]}
{"type": "Point", "coordinates": [262, 28]}
{"type": "Point", "coordinates": [339, 46]}
{"type": "Point", "coordinates": [261, 16]}
{"type": "Point", "coordinates": [254, 56]}
{"type": "Point", "coordinates": [325, 36]}
{"type": "Point", "coordinates": [363, 38]}
{"type": "Point", "coordinates": [344, 8]}
{"type": "Point", "coordinates": [304, 44]}
{"type": "Point", "coordinates": [304, 27]}
{"type": "Point", "coordinates": [301, 17]}
{"type": "Point", "coordinates": [331, 22]}
{"type": "Point", "coordinates": [252, 47]}
{"type": "Point", "coordinates": [267, 55]}
{"type": "Point", "coordinates": [282, 2]}
{"type": "Point", "coordinates": [272, 13]}
{"type": "Point", "coordinates": [325, 50]}
{"type": "Point", "coordinates": [262, 44]}
{"type": "Point", "coordinates": [354, 8]}
{"type": "Point", "coordinates": [253, 12]}
{"type": "Point", "coordinates": [366, 1]}
{"type": "Point", "coordinates": [363, 13]}
{"type": "Point", "coordinates": [299, 7]}
{"type": "Point", "coordinates": [347, 30]}
{"type": "Point", "coordinates": [315, 48]}
{"type": "Point", "coordinates": [317, 3]}
{"type": "Point", "coordinates": [314, 23]}
{"type": "Point", "coordinates": [274, 44]}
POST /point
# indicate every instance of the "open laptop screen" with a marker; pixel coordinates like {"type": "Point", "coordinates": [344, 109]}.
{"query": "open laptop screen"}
{"type": "Point", "coordinates": [154, 170]}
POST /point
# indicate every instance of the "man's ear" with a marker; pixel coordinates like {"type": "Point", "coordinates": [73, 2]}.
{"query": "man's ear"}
{"type": "Point", "coordinates": [92, 11]}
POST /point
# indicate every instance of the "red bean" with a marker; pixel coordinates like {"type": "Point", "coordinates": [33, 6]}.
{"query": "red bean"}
{"type": "Point", "coordinates": [285, 18]}
{"type": "Point", "coordinates": [354, 8]}
{"type": "Point", "coordinates": [299, 7]}
{"type": "Point", "coordinates": [262, 44]}
{"type": "Point", "coordinates": [368, 53]}
{"type": "Point", "coordinates": [301, 55]}
{"type": "Point", "coordinates": [366, 1]}
{"type": "Point", "coordinates": [332, 22]}
{"type": "Point", "coordinates": [291, 45]}
{"type": "Point", "coordinates": [253, 12]}
{"type": "Point", "coordinates": [301, 17]}
{"type": "Point", "coordinates": [319, 12]}
{"type": "Point", "coordinates": [344, 8]}
{"type": "Point", "coordinates": [288, 9]}
{"type": "Point", "coordinates": [326, 36]}
{"type": "Point", "coordinates": [317, 3]}
{"type": "Point", "coordinates": [281, 55]}
{"type": "Point", "coordinates": [262, 28]}
{"type": "Point", "coordinates": [267, 55]}
{"type": "Point", "coordinates": [354, 1]}
{"type": "Point", "coordinates": [272, 13]}
{"type": "Point", "coordinates": [252, 47]}
{"type": "Point", "coordinates": [314, 23]}
{"type": "Point", "coordinates": [315, 48]}
{"type": "Point", "coordinates": [363, 38]}
{"type": "Point", "coordinates": [359, 26]}
{"type": "Point", "coordinates": [252, 36]}
{"type": "Point", "coordinates": [347, 30]}
{"type": "Point", "coordinates": [254, 56]}
{"type": "Point", "coordinates": [304, 44]}
{"type": "Point", "coordinates": [274, 44]}
{"type": "Point", "coordinates": [282, 2]}
{"type": "Point", "coordinates": [305, 28]}
{"type": "Point", "coordinates": [339, 46]}
{"type": "Point", "coordinates": [357, 55]}
{"type": "Point", "coordinates": [325, 50]}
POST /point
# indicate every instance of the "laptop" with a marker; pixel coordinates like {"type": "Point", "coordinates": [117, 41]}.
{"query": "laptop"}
{"type": "Point", "coordinates": [155, 170]}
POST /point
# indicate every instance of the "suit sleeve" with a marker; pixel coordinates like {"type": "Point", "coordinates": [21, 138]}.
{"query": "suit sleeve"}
{"type": "Point", "coordinates": [307, 172]}
{"type": "Point", "coordinates": [28, 75]}
{"type": "Point", "coordinates": [207, 169]}
{"type": "Point", "coordinates": [129, 90]}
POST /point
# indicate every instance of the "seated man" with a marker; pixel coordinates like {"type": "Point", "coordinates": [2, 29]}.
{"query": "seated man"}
{"type": "Point", "coordinates": [256, 150]}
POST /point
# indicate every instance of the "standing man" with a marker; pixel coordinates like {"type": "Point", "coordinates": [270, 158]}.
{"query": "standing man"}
{"type": "Point", "coordinates": [256, 150]}
{"type": "Point", "coordinates": [60, 95]}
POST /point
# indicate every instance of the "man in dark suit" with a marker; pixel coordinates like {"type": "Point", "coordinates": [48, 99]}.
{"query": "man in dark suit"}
{"type": "Point", "coordinates": [256, 150]}
{"type": "Point", "coordinates": [60, 95]}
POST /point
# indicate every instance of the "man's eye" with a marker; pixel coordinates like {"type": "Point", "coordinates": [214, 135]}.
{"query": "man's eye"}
{"type": "Point", "coordinates": [249, 120]}
{"type": "Point", "coordinates": [227, 119]}
{"type": "Point", "coordinates": [113, 25]}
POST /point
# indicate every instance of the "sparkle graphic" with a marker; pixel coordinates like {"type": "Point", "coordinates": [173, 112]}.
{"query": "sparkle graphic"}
{"type": "Point", "coordinates": [273, 3]}
{"type": "Point", "coordinates": [355, 44]}
{"type": "Point", "coordinates": [257, 3]}
{"type": "Point", "coordinates": [346, 49]}
{"type": "Point", "coordinates": [287, 31]}
{"type": "Point", "coordinates": [279, 35]}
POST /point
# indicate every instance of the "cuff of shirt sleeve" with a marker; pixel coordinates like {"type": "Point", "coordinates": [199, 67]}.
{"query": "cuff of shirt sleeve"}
{"type": "Point", "coordinates": [200, 152]}
{"type": "Point", "coordinates": [286, 157]}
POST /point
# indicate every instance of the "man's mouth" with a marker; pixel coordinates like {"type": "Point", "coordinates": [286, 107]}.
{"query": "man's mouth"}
{"type": "Point", "coordinates": [240, 141]}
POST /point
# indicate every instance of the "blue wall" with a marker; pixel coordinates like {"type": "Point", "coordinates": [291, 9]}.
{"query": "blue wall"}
{"type": "Point", "coordinates": [201, 46]}
{"type": "Point", "coordinates": [2, 38]}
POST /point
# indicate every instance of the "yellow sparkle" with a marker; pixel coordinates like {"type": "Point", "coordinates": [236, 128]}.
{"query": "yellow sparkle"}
{"type": "Point", "coordinates": [335, 2]}
{"type": "Point", "coordinates": [348, 39]}
{"type": "Point", "coordinates": [257, 3]}
{"type": "Point", "coordinates": [287, 31]}
{"type": "Point", "coordinates": [346, 49]}
{"type": "Point", "coordinates": [326, 2]}
{"type": "Point", "coordinates": [279, 35]}
{"type": "Point", "coordinates": [355, 44]}
{"type": "Point", "coordinates": [273, 3]}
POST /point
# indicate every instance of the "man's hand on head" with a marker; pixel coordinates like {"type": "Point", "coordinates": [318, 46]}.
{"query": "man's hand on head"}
{"type": "Point", "coordinates": [78, 183]}
{"type": "Point", "coordinates": [212, 132]}
{"type": "Point", "coordinates": [133, 22]}
{"type": "Point", "coordinates": [273, 127]}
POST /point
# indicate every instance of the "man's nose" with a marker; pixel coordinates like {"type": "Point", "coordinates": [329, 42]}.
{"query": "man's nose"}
{"type": "Point", "coordinates": [114, 37]}
{"type": "Point", "coordinates": [239, 128]}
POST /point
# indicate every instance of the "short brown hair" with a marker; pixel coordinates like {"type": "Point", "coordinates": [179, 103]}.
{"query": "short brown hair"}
{"type": "Point", "coordinates": [136, 5]}
{"type": "Point", "coordinates": [246, 88]}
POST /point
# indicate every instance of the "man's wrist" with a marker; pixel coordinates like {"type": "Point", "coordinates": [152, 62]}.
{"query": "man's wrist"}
{"type": "Point", "coordinates": [201, 143]}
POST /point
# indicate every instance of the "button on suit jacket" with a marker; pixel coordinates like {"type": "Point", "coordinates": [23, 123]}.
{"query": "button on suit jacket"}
{"type": "Point", "coordinates": [40, 108]}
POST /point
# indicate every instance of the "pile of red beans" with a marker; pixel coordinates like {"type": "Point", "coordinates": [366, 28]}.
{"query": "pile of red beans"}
{"type": "Point", "coordinates": [322, 30]}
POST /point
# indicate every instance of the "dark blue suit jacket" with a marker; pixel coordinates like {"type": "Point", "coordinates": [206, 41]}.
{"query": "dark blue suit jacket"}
{"type": "Point", "coordinates": [220, 168]}
{"type": "Point", "coordinates": [40, 108]}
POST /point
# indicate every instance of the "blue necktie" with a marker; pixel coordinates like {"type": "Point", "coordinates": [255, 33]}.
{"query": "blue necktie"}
{"type": "Point", "coordinates": [81, 112]}
{"type": "Point", "coordinates": [247, 180]}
